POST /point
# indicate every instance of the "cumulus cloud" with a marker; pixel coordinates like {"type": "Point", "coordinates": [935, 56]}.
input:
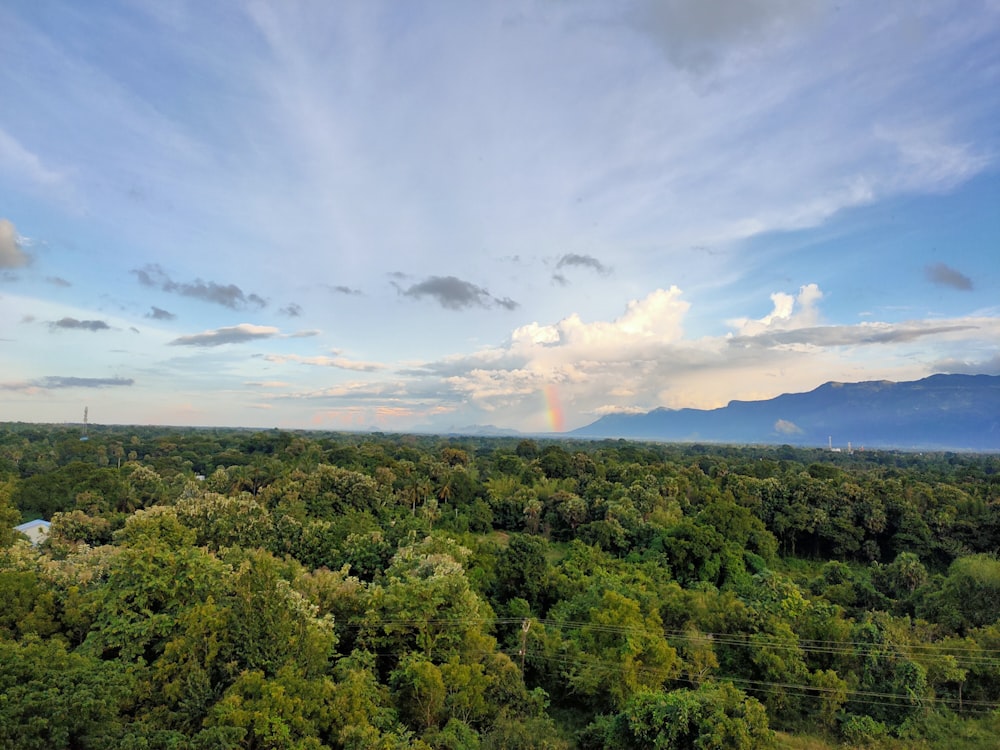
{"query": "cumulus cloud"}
{"type": "Point", "coordinates": [227, 295]}
{"type": "Point", "coordinates": [944, 275]}
{"type": "Point", "coordinates": [785, 427]}
{"type": "Point", "coordinates": [82, 325]}
{"type": "Point", "coordinates": [455, 294]}
{"type": "Point", "coordinates": [643, 360]}
{"type": "Point", "coordinates": [53, 382]}
{"type": "Point", "coordinates": [582, 261]}
{"type": "Point", "coordinates": [156, 313]}
{"type": "Point", "coordinates": [12, 254]}
{"type": "Point", "coordinates": [789, 312]}
{"type": "Point", "coordinates": [238, 334]}
{"type": "Point", "coordinates": [656, 317]}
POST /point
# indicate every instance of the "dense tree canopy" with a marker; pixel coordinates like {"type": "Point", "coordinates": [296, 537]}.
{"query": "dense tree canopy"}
{"type": "Point", "coordinates": [238, 589]}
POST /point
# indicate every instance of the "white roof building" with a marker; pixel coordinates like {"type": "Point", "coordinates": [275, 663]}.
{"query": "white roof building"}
{"type": "Point", "coordinates": [36, 531]}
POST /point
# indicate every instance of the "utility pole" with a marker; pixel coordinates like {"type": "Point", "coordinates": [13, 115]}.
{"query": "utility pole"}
{"type": "Point", "coordinates": [525, 626]}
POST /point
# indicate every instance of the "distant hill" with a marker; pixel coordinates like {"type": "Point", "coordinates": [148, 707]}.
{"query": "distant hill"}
{"type": "Point", "coordinates": [947, 412]}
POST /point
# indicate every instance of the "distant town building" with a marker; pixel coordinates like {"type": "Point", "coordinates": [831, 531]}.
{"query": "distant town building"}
{"type": "Point", "coordinates": [36, 531]}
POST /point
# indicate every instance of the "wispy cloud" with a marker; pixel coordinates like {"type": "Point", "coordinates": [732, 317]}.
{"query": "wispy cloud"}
{"type": "Point", "coordinates": [944, 275]}
{"type": "Point", "coordinates": [79, 325]}
{"type": "Point", "coordinates": [292, 310]}
{"type": "Point", "coordinates": [323, 361]}
{"type": "Point", "coordinates": [57, 281]}
{"type": "Point", "coordinates": [227, 295]}
{"type": "Point", "coordinates": [455, 294]}
{"type": "Point", "coordinates": [341, 289]}
{"type": "Point", "coordinates": [575, 260]}
{"type": "Point", "coordinates": [156, 313]}
{"type": "Point", "coordinates": [25, 164]}
{"type": "Point", "coordinates": [700, 36]}
{"type": "Point", "coordinates": [238, 334]}
{"type": "Point", "coordinates": [54, 382]}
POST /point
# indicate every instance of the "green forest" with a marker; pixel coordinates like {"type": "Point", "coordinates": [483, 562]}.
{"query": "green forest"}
{"type": "Point", "coordinates": [212, 588]}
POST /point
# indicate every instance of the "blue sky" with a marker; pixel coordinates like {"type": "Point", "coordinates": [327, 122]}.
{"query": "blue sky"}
{"type": "Point", "coordinates": [431, 215]}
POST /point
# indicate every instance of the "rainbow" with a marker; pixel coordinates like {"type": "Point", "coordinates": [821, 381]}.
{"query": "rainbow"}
{"type": "Point", "coordinates": [554, 408]}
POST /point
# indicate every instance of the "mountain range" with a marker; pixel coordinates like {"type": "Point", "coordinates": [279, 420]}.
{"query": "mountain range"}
{"type": "Point", "coordinates": [940, 412]}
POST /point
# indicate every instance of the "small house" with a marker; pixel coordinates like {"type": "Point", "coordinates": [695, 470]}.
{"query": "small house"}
{"type": "Point", "coordinates": [36, 531]}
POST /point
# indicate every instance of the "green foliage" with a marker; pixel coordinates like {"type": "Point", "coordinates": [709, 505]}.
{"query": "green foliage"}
{"type": "Point", "coordinates": [52, 699]}
{"type": "Point", "coordinates": [713, 717]}
{"type": "Point", "coordinates": [969, 597]}
{"type": "Point", "coordinates": [863, 731]}
{"type": "Point", "coordinates": [390, 592]}
{"type": "Point", "coordinates": [10, 516]}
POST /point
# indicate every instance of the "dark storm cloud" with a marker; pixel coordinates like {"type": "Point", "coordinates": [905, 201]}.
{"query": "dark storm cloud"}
{"type": "Point", "coordinates": [583, 261]}
{"type": "Point", "coordinates": [944, 275]}
{"type": "Point", "coordinates": [83, 325]}
{"type": "Point", "coordinates": [227, 295]}
{"type": "Point", "coordinates": [455, 294]}
{"type": "Point", "coordinates": [155, 313]}
{"type": "Point", "coordinates": [52, 382]}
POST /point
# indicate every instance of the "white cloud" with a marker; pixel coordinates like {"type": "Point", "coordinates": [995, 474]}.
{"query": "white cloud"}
{"type": "Point", "coordinates": [12, 255]}
{"type": "Point", "coordinates": [784, 316]}
{"type": "Point", "coordinates": [318, 148]}
{"type": "Point", "coordinates": [642, 360]}
{"type": "Point", "coordinates": [785, 427]}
